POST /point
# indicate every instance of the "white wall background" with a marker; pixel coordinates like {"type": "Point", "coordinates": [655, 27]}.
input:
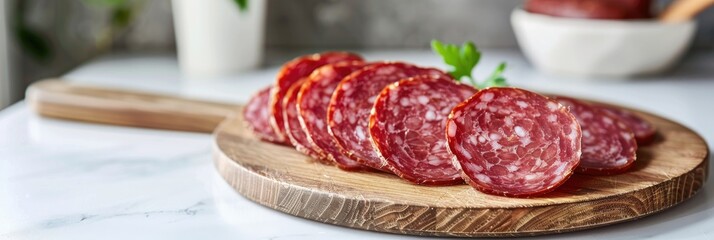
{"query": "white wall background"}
{"type": "Point", "coordinates": [73, 27]}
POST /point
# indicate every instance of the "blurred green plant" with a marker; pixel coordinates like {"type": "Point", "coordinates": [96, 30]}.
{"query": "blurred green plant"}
{"type": "Point", "coordinates": [107, 3]}
{"type": "Point", "coordinates": [121, 11]}
{"type": "Point", "coordinates": [242, 4]}
{"type": "Point", "coordinates": [121, 15]}
{"type": "Point", "coordinates": [35, 43]}
{"type": "Point", "coordinates": [30, 39]}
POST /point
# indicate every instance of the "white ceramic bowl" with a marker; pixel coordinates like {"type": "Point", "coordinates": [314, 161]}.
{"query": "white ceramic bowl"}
{"type": "Point", "coordinates": [600, 48]}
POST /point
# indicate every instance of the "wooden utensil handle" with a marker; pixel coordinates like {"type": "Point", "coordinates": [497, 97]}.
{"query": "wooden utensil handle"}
{"type": "Point", "coordinates": [60, 99]}
{"type": "Point", "coordinates": [683, 10]}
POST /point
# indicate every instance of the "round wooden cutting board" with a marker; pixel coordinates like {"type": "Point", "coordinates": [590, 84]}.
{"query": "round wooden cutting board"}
{"type": "Point", "coordinates": [667, 172]}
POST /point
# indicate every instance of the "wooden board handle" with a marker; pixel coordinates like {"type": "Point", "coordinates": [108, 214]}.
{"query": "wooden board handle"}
{"type": "Point", "coordinates": [60, 99]}
{"type": "Point", "coordinates": [684, 10]}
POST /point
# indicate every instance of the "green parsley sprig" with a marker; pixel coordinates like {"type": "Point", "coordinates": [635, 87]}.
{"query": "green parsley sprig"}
{"type": "Point", "coordinates": [463, 60]}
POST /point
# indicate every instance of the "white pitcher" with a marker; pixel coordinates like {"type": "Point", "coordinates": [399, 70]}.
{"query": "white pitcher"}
{"type": "Point", "coordinates": [216, 38]}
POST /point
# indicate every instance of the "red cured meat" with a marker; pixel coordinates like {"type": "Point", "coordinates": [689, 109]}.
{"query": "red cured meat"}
{"type": "Point", "coordinates": [312, 104]}
{"type": "Point", "coordinates": [295, 132]}
{"type": "Point", "coordinates": [257, 116]}
{"type": "Point", "coordinates": [609, 146]}
{"type": "Point", "coordinates": [644, 131]}
{"type": "Point", "coordinates": [591, 9]}
{"type": "Point", "coordinates": [513, 142]}
{"type": "Point", "coordinates": [637, 8]}
{"type": "Point", "coordinates": [293, 71]}
{"type": "Point", "coordinates": [407, 127]}
{"type": "Point", "coordinates": [352, 101]}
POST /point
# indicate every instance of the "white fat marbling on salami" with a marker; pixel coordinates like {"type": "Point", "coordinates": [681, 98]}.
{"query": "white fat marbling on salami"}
{"type": "Point", "coordinates": [412, 141]}
{"type": "Point", "coordinates": [293, 129]}
{"type": "Point", "coordinates": [292, 72]}
{"type": "Point", "coordinates": [643, 131]}
{"type": "Point", "coordinates": [364, 85]}
{"type": "Point", "coordinates": [313, 100]}
{"type": "Point", "coordinates": [257, 116]}
{"type": "Point", "coordinates": [608, 144]}
{"type": "Point", "coordinates": [526, 143]}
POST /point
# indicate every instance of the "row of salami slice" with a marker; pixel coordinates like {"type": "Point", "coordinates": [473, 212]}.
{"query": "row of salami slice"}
{"type": "Point", "coordinates": [425, 127]}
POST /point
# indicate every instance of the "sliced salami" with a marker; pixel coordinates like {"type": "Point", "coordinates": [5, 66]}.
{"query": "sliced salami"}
{"type": "Point", "coordinates": [407, 127]}
{"type": "Point", "coordinates": [293, 129]}
{"type": "Point", "coordinates": [257, 116]}
{"type": "Point", "coordinates": [513, 142]}
{"type": "Point", "coordinates": [352, 101]}
{"type": "Point", "coordinates": [644, 131]}
{"type": "Point", "coordinates": [293, 71]}
{"type": "Point", "coordinates": [609, 146]}
{"type": "Point", "coordinates": [312, 105]}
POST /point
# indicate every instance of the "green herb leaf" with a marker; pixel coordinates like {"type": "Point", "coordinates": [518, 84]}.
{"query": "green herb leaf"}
{"type": "Point", "coordinates": [496, 79]}
{"type": "Point", "coordinates": [462, 60]}
{"type": "Point", "coordinates": [108, 3]}
{"type": "Point", "coordinates": [242, 4]}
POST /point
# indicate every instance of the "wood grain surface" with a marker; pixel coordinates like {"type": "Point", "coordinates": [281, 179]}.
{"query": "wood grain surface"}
{"type": "Point", "coordinates": [65, 100]}
{"type": "Point", "coordinates": [666, 173]}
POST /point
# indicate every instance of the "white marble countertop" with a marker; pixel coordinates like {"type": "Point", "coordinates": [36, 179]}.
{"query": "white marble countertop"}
{"type": "Point", "coordinates": [70, 180]}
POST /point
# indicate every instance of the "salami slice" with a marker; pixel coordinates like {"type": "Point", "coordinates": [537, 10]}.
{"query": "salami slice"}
{"type": "Point", "coordinates": [293, 71]}
{"type": "Point", "coordinates": [407, 127]}
{"type": "Point", "coordinates": [257, 116]}
{"type": "Point", "coordinates": [295, 132]}
{"type": "Point", "coordinates": [351, 103]}
{"type": "Point", "coordinates": [644, 131]}
{"type": "Point", "coordinates": [312, 105]}
{"type": "Point", "coordinates": [609, 146]}
{"type": "Point", "coordinates": [513, 142]}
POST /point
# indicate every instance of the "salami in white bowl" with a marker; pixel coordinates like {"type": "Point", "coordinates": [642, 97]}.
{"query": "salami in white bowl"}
{"type": "Point", "coordinates": [513, 142]}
